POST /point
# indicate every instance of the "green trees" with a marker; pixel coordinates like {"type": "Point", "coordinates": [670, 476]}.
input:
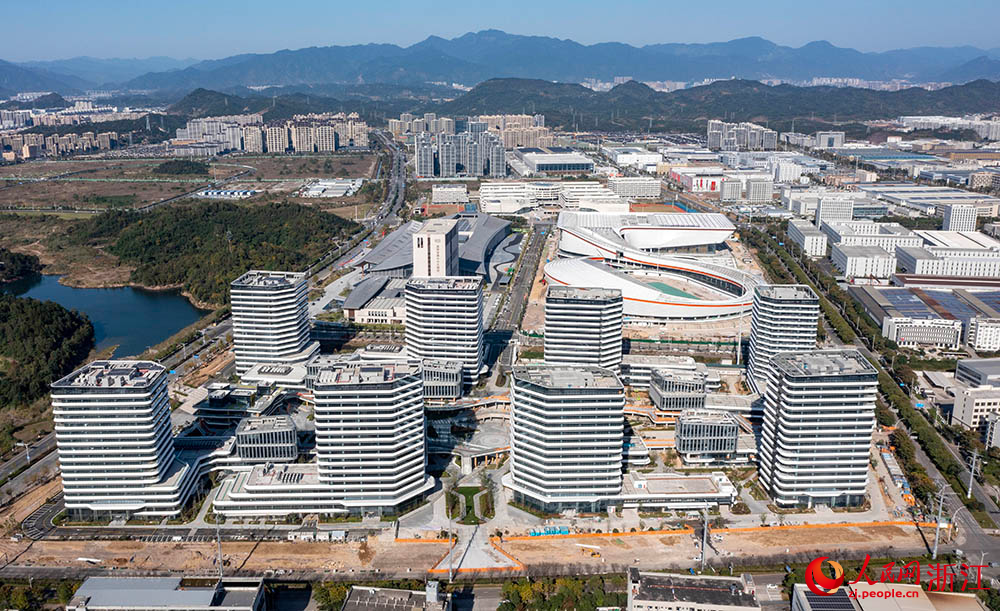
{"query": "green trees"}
{"type": "Point", "coordinates": [564, 593]}
{"type": "Point", "coordinates": [204, 246]}
{"type": "Point", "coordinates": [39, 342]}
{"type": "Point", "coordinates": [176, 167]}
{"type": "Point", "coordinates": [14, 265]}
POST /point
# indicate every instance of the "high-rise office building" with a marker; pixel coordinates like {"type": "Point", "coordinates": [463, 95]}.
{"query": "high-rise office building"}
{"type": "Point", "coordinates": [435, 249]}
{"type": "Point", "coordinates": [819, 416]}
{"type": "Point", "coordinates": [270, 319]}
{"type": "Point", "coordinates": [583, 326]}
{"type": "Point", "coordinates": [423, 157]}
{"type": "Point", "coordinates": [444, 321]}
{"type": "Point", "coordinates": [116, 452]}
{"type": "Point", "coordinates": [784, 318]}
{"type": "Point", "coordinates": [370, 433]}
{"type": "Point", "coordinates": [959, 217]}
{"type": "Point", "coordinates": [566, 436]}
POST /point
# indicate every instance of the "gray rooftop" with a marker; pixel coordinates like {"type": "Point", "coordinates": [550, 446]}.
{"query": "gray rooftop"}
{"type": "Point", "coordinates": [987, 368]}
{"type": "Point", "coordinates": [456, 283]}
{"type": "Point", "coordinates": [865, 251]}
{"type": "Point", "coordinates": [355, 372]}
{"type": "Point", "coordinates": [787, 292]}
{"type": "Point", "coordinates": [114, 374]}
{"type": "Point", "coordinates": [438, 226]}
{"type": "Point", "coordinates": [386, 599]}
{"type": "Point", "coordinates": [582, 293]}
{"type": "Point", "coordinates": [715, 592]}
{"type": "Point", "coordinates": [263, 424]}
{"type": "Point", "coordinates": [562, 377]}
{"type": "Point", "coordinates": [162, 593]}
{"type": "Point", "coordinates": [256, 278]}
{"type": "Point", "coordinates": [365, 291]}
{"type": "Point", "coordinates": [823, 363]}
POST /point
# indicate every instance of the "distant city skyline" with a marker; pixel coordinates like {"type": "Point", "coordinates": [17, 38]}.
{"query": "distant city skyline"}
{"type": "Point", "coordinates": [188, 29]}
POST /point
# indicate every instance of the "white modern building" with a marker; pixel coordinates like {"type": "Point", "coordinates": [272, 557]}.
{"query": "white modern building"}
{"type": "Point", "coordinates": [270, 319]}
{"type": "Point", "coordinates": [911, 332]}
{"type": "Point", "coordinates": [830, 209]}
{"type": "Point", "coordinates": [934, 261]}
{"type": "Point", "coordinates": [983, 334]}
{"type": "Point", "coordinates": [869, 262]}
{"type": "Point", "coordinates": [810, 239]}
{"type": "Point", "coordinates": [370, 433]}
{"type": "Point", "coordinates": [444, 321]}
{"type": "Point", "coordinates": [887, 236]}
{"type": "Point", "coordinates": [566, 436]}
{"type": "Point", "coordinates": [819, 416]}
{"type": "Point", "coordinates": [113, 437]}
{"type": "Point", "coordinates": [784, 318]}
{"type": "Point", "coordinates": [635, 187]}
{"type": "Point", "coordinates": [760, 191]}
{"type": "Point", "coordinates": [583, 326]}
{"type": "Point", "coordinates": [828, 140]}
{"type": "Point", "coordinates": [370, 449]}
{"type": "Point", "coordinates": [672, 391]}
{"type": "Point", "coordinates": [449, 194]}
{"type": "Point", "coordinates": [959, 217]}
{"type": "Point", "coordinates": [633, 156]}
{"type": "Point", "coordinates": [435, 249]}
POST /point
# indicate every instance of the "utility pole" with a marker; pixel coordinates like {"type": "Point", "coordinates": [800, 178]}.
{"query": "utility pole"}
{"type": "Point", "coordinates": [704, 537]}
{"type": "Point", "coordinates": [972, 473]}
{"type": "Point", "coordinates": [27, 451]}
{"type": "Point", "coordinates": [218, 543]}
{"type": "Point", "coordinates": [451, 546]}
{"type": "Point", "coordinates": [937, 524]}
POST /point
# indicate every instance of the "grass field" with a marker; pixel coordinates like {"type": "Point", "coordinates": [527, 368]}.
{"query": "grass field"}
{"type": "Point", "coordinates": [88, 195]}
{"type": "Point", "coordinates": [314, 166]}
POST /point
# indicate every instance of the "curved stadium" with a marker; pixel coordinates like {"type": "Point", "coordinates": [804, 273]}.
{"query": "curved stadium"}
{"type": "Point", "coordinates": [661, 262]}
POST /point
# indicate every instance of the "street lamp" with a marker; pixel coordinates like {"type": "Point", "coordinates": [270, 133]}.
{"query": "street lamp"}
{"type": "Point", "coordinates": [27, 450]}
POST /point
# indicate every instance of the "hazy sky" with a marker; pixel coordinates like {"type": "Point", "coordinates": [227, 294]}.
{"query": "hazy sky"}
{"type": "Point", "coordinates": [52, 29]}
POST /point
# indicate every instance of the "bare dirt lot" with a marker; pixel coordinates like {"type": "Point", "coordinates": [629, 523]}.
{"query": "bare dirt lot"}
{"type": "Point", "coordinates": [199, 557]}
{"type": "Point", "coordinates": [654, 207]}
{"type": "Point", "coordinates": [88, 195]}
{"type": "Point", "coordinates": [352, 165]}
{"type": "Point", "coordinates": [662, 551]}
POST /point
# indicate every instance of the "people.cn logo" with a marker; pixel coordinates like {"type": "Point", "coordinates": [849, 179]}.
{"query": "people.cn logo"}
{"type": "Point", "coordinates": [819, 582]}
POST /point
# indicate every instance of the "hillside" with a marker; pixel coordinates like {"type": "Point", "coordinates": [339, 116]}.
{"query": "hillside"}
{"type": "Point", "coordinates": [51, 100]}
{"type": "Point", "coordinates": [110, 70]}
{"type": "Point", "coordinates": [17, 78]}
{"type": "Point", "coordinates": [477, 56]}
{"type": "Point", "coordinates": [206, 103]}
{"type": "Point", "coordinates": [204, 246]}
{"type": "Point", "coordinates": [632, 105]}
{"type": "Point", "coordinates": [982, 67]}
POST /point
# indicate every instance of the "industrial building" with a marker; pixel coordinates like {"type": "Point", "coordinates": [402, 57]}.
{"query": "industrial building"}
{"type": "Point", "coordinates": [831, 394]}
{"type": "Point", "coordinates": [809, 238]}
{"type": "Point", "coordinates": [959, 217]}
{"type": "Point", "coordinates": [907, 319]}
{"type": "Point", "coordinates": [270, 319]}
{"type": "Point", "coordinates": [583, 326]}
{"type": "Point", "coordinates": [887, 236]}
{"type": "Point", "coordinates": [864, 262]}
{"type": "Point", "coordinates": [931, 200]}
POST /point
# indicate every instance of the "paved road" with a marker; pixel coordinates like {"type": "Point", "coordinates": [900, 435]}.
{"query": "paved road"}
{"type": "Point", "coordinates": [36, 449]}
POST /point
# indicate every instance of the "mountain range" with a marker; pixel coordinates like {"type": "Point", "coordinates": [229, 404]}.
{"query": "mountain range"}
{"type": "Point", "coordinates": [633, 105]}
{"type": "Point", "coordinates": [479, 56]}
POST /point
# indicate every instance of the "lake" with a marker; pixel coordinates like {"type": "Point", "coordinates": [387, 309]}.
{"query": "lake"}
{"type": "Point", "coordinates": [133, 318]}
